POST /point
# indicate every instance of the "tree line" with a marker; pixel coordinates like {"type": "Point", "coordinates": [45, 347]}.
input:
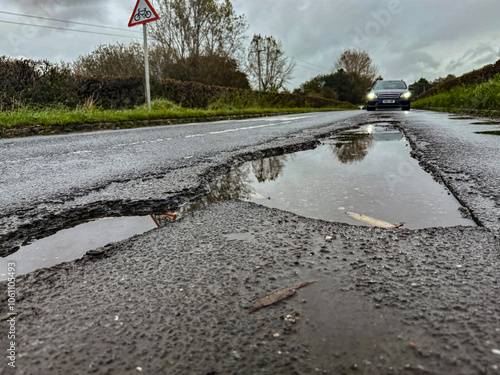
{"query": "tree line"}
{"type": "Point", "coordinates": [355, 73]}
{"type": "Point", "coordinates": [423, 85]}
{"type": "Point", "coordinates": [200, 41]}
{"type": "Point", "coordinates": [204, 41]}
{"type": "Point", "coordinates": [197, 40]}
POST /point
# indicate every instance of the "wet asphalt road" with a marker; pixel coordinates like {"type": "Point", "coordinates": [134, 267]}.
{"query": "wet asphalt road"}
{"type": "Point", "coordinates": [58, 166]}
{"type": "Point", "coordinates": [175, 300]}
{"type": "Point", "coordinates": [51, 182]}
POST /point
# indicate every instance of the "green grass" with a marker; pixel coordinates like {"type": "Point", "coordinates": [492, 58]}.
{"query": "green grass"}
{"type": "Point", "coordinates": [161, 109]}
{"type": "Point", "coordinates": [480, 98]}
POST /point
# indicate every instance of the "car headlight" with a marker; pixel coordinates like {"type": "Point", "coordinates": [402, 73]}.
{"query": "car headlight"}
{"type": "Point", "coordinates": [372, 96]}
{"type": "Point", "coordinates": [406, 95]}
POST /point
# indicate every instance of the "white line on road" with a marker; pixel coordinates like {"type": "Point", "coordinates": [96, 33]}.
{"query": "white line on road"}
{"type": "Point", "coordinates": [283, 121]}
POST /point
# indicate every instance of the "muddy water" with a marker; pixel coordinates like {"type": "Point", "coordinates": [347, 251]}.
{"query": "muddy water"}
{"type": "Point", "coordinates": [367, 171]}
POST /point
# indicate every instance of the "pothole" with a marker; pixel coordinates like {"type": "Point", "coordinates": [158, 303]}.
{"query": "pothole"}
{"type": "Point", "coordinates": [70, 244]}
{"type": "Point", "coordinates": [485, 123]}
{"type": "Point", "coordinates": [368, 172]}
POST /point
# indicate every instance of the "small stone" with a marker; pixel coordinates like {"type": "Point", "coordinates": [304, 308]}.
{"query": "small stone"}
{"type": "Point", "coordinates": [495, 351]}
{"type": "Point", "coordinates": [245, 304]}
{"type": "Point", "coordinates": [276, 335]}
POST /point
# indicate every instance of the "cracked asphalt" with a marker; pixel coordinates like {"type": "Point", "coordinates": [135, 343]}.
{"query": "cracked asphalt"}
{"type": "Point", "coordinates": [175, 300]}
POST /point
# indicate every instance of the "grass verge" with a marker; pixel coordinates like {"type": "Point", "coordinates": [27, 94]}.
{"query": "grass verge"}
{"type": "Point", "coordinates": [161, 110]}
{"type": "Point", "coordinates": [480, 99]}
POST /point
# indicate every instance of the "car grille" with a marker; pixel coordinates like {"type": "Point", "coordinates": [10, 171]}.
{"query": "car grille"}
{"type": "Point", "coordinates": [389, 95]}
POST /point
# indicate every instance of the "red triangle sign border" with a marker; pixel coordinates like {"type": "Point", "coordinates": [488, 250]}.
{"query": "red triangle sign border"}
{"type": "Point", "coordinates": [134, 23]}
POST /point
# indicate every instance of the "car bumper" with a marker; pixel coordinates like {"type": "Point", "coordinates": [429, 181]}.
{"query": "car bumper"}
{"type": "Point", "coordinates": [380, 103]}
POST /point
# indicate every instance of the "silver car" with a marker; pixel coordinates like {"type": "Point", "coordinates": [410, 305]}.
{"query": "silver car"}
{"type": "Point", "coordinates": [388, 94]}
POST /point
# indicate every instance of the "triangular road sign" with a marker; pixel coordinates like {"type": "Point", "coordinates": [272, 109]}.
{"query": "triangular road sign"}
{"type": "Point", "coordinates": [143, 13]}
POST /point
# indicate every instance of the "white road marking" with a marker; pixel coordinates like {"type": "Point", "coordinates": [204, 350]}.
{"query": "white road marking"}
{"type": "Point", "coordinates": [284, 120]}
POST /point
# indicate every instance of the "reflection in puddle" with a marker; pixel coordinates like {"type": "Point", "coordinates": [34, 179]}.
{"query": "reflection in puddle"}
{"type": "Point", "coordinates": [352, 148]}
{"type": "Point", "coordinates": [368, 171]}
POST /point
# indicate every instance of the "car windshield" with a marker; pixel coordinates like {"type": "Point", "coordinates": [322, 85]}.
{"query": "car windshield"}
{"type": "Point", "coordinates": [387, 85]}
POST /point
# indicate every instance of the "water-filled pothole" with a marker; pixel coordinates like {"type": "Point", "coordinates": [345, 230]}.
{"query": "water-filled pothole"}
{"type": "Point", "coordinates": [70, 244]}
{"type": "Point", "coordinates": [367, 171]}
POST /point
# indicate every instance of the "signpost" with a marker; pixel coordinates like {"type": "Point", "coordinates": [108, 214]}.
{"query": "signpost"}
{"type": "Point", "coordinates": [142, 14]}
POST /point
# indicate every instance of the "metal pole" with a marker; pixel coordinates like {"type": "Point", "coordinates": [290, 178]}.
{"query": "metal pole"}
{"type": "Point", "coordinates": [260, 74]}
{"type": "Point", "coordinates": [146, 65]}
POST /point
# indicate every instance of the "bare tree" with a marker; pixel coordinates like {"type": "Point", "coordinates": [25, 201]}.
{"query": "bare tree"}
{"type": "Point", "coordinates": [267, 63]}
{"type": "Point", "coordinates": [194, 40]}
{"type": "Point", "coordinates": [357, 62]}
{"type": "Point", "coordinates": [192, 28]}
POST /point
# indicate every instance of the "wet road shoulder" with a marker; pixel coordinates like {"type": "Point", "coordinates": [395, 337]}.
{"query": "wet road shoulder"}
{"type": "Point", "coordinates": [176, 300]}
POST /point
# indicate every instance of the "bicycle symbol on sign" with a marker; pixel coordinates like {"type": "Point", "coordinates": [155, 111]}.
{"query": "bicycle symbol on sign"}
{"type": "Point", "coordinates": [142, 13]}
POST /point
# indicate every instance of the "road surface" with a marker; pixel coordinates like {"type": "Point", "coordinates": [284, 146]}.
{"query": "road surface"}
{"type": "Point", "coordinates": [176, 300]}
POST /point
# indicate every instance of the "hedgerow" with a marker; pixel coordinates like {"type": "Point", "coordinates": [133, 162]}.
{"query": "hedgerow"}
{"type": "Point", "coordinates": [482, 75]}
{"type": "Point", "coordinates": [40, 84]}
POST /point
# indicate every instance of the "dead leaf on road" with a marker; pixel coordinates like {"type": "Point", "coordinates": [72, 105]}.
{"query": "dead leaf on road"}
{"type": "Point", "coordinates": [372, 221]}
{"type": "Point", "coordinates": [278, 296]}
{"type": "Point", "coordinates": [256, 195]}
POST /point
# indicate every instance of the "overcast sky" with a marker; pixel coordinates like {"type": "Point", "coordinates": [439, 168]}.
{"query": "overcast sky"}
{"type": "Point", "coordinates": [406, 39]}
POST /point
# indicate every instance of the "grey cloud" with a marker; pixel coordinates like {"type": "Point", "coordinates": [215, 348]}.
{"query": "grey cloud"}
{"type": "Point", "coordinates": [72, 10]}
{"type": "Point", "coordinates": [408, 65]}
{"type": "Point", "coordinates": [424, 38]}
{"type": "Point", "coordinates": [474, 57]}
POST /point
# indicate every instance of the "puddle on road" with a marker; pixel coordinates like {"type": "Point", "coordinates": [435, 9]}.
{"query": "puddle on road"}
{"type": "Point", "coordinates": [70, 244]}
{"type": "Point", "coordinates": [367, 171]}
{"type": "Point", "coordinates": [497, 132]}
{"type": "Point", "coordinates": [480, 127]}
{"type": "Point", "coordinates": [485, 123]}
{"type": "Point", "coordinates": [347, 334]}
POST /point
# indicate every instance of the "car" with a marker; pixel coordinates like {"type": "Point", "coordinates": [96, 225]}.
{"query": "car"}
{"type": "Point", "coordinates": [388, 94]}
